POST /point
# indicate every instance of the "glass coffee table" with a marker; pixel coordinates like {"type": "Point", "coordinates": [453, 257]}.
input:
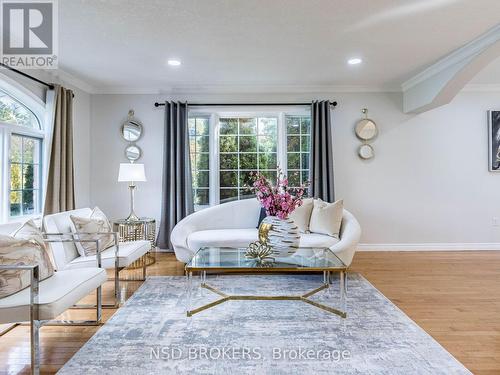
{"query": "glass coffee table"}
{"type": "Point", "coordinates": [232, 260]}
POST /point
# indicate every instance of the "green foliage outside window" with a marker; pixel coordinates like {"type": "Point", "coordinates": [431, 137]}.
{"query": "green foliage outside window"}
{"type": "Point", "coordinates": [24, 175]}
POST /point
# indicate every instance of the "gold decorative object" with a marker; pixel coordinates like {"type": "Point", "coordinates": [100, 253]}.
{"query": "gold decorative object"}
{"type": "Point", "coordinates": [142, 229]}
{"type": "Point", "coordinates": [264, 229]}
{"type": "Point", "coordinates": [260, 252]}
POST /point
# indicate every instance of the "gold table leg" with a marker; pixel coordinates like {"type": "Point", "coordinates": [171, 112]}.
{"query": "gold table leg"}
{"type": "Point", "coordinates": [304, 297]}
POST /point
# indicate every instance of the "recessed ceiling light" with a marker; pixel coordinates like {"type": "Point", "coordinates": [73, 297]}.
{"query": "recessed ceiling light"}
{"type": "Point", "coordinates": [174, 62]}
{"type": "Point", "coordinates": [354, 61]}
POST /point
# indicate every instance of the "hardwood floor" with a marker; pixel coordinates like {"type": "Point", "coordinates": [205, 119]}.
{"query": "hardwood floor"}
{"type": "Point", "coordinates": [454, 296]}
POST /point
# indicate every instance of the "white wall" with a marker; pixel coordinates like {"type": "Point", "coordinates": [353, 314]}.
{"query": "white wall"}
{"type": "Point", "coordinates": [428, 183]}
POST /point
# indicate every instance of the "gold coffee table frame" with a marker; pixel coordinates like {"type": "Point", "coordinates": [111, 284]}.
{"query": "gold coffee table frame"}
{"type": "Point", "coordinates": [327, 278]}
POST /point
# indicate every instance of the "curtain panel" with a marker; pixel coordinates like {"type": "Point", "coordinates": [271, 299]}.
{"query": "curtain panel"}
{"type": "Point", "coordinates": [177, 190]}
{"type": "Point", "coordinates": [321, 169]}
{"type": "Point", "coordinates": [60, 191]}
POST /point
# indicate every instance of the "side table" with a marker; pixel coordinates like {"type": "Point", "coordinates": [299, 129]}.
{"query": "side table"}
{"type": "Point", "coordinates": [142, 229]}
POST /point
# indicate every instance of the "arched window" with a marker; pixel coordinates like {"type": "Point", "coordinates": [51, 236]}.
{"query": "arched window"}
{"type": "Point", "coordinates": [22, 134]}
{"type": "Point", "coordinates": [16, 113]}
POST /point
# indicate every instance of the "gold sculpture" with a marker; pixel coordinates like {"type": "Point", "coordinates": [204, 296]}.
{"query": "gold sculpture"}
{"type": "Point", "coordinates": [262, 253]}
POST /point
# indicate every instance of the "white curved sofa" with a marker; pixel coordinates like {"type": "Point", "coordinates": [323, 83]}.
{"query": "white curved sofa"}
{"type": "Point", "coordinates": [234, 224]}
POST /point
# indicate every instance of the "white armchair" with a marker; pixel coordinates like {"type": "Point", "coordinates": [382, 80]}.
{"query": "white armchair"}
{"type": "Point", "coordinates": [44, 300]}
{"type": "Point", "coordinates": [234, 224]}
{"type": "Point", "coordinates": [66, 256]}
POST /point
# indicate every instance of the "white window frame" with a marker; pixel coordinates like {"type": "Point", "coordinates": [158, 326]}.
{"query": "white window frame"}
{"type": "Point", "coordinates": [215, 113]}
{"type": "Point", "coordinates": [43, 114]}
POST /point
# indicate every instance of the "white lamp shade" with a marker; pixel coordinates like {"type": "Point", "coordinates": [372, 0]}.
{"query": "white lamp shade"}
{"type": "Point", "coordinates": [131, 172]}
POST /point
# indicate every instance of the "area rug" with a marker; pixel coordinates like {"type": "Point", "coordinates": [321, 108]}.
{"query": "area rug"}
{"type": "Point", "coordinates": [151, 334]}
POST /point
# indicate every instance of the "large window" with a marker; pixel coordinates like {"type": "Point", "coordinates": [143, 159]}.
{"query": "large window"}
{"type": "Point", "coordinates": [226, 147]}
{"type": "Point", "coordinates": [21, 147]}
{"type": "Point", "coordinates": [245, 145]}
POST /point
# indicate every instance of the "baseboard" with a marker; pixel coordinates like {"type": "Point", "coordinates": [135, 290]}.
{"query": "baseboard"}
{"type": "Point", "coordinates": [158, 250]}
{"type": "Point", "coordinates": [429, 246]}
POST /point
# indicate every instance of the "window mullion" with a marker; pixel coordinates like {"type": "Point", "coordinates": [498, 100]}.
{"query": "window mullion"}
{"type": "Point", "coordinates": [4, 191]}
{"type": "Point", "coordinates": [214, 159]}
{"type": "Point", "coordinates": [281, 146]}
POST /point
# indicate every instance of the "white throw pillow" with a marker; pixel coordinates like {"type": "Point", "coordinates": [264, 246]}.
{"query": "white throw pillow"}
{"type": "Point", "coordinates": [326, 218]}
{"type": "Point", "coordinates": [29, 231]}
{"type": "Point", "coordinates": [302, 215]}
{"type": "Point", "coordinates": [97, 222]}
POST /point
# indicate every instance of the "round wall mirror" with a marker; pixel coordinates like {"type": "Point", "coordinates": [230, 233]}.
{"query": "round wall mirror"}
{"type": "Point", "coordinates": [366, 152]}
{"type": "Point", "coordinates": [366, 129]}
{"type": "Point", "coordinates": [131, 130]}
{"type": "Point", "coordinates": [133, 152]}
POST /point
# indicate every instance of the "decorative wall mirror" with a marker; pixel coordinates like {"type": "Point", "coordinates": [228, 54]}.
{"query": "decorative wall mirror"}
{"type": "Point", "coordinates": [133, 153]}
{"type": "Point", "coordinates": [132, 128]}
{"type": "Point", "coordinates": [366, 129]}
{"type": "Point", "coordinates": [366, 152]}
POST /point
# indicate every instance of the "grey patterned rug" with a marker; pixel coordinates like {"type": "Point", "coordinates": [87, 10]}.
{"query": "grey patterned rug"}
{"type": "Point", "coordinates": [151, 333]}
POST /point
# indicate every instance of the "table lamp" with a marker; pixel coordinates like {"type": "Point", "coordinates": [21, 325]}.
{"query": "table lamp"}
{"type": "Point", "coordinates": [131, 173]}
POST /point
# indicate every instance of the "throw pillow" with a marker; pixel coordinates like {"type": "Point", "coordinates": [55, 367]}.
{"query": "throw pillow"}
{"type": "Point", "coordinates": [96, 223]}
{"type": "Point", "coordinates": [30, 231]}
{"type": "Point", "coordinates": [326, 218]}
{"type": "Point", "coordinates": [20, 251]}
{"type": "Point", "coordinates": [302, 215]}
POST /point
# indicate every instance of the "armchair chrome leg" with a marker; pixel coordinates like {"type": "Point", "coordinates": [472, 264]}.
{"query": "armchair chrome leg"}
{"type": "Point", "coordinates": [144, 271]}
{"type": "Point", "coordinates": [35, 323]}
{"type": "Point", "coordinates": [98, 308]}
{"type": "Point", "coordinates": [117, 285]}
{"type": "Point", "coordinates": [35, 346]}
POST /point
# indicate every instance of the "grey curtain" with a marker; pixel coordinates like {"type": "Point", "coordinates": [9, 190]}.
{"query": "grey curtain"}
{"type": "Point", "coordinates": [177, 193]}
{"type": "Point", "coordinates": [60, 193]}
{"type": "Point", "coordinates": [321, 170]}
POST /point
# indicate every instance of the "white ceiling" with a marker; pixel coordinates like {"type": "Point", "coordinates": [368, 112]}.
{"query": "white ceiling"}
{"type": "Point", "coordinates": [125, 43]}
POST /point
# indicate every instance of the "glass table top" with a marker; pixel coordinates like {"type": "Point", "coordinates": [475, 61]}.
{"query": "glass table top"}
{"type": "Point", "coordinates": [232, 259]}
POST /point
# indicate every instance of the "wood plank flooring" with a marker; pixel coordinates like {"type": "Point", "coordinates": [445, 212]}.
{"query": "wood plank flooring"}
{"type": "Point", "coordinates": [454, 296]}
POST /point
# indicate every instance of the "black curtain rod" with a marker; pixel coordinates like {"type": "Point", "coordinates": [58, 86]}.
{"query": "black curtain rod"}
{"type": "Point", "coordinates": [334, 104]}
{"type": "Point", "coordinates": [49, 85]}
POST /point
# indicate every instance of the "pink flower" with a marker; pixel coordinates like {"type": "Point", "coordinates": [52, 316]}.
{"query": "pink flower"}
{"type": "Point", "coordinates": [277, 200]}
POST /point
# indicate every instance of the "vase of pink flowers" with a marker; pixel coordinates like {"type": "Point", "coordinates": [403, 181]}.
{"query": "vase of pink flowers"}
{"type": "Point", "coordinates": [279, 200]}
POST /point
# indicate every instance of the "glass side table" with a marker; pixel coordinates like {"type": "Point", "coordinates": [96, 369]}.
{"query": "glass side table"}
{"type": "Point", "coordinates": [142, 229]}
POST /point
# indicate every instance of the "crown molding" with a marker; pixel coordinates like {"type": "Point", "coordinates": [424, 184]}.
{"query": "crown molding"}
{"type": "Point", "coordinates": [72, 80]}
{"type": "Point", "coordinates": [463, 53]}
{"type": "Point", "coordinates": [184, 89]}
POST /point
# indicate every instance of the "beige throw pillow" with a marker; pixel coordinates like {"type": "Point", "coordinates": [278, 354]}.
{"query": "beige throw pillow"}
{"type": "Point", "coordinates": [30, 231]}
{"type": "Point", "coordinates": [302, 215]}
{"type": "Point", "coordinates": [96, 223]}
{"type": "Point", "coordinates": [326, 218]}
{"type": "Point", "coordinates": [24, 247]}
